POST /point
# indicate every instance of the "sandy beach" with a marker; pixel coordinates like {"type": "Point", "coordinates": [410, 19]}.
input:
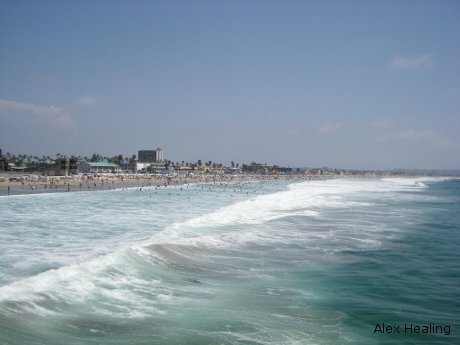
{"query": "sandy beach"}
{"type": "Point", "coordinates": [108, 182]}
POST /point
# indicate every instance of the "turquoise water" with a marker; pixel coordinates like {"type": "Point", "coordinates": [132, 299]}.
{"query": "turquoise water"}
{"type": "Point", "coordinates": [320, 262]}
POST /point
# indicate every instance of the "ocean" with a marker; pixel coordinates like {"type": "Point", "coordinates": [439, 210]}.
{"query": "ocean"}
{"type": "Point", "coordinates": [343, 261]}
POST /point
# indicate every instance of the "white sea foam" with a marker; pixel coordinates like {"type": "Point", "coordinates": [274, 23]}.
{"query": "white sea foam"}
{"type": "Point", "coordinates": [260, 220]}
{"type": "Point", "coordinates": [105, 284]}
{"type": "Point", "coordinates": [255, 211]}
{"type": "Point", "coordinates": [248, 221]}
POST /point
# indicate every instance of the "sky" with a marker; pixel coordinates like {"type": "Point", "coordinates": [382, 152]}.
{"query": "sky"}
{"type": "Point", "coordinates": [344, 84]}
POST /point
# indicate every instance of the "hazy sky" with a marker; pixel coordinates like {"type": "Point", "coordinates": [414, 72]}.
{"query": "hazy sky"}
{"type": "Point", "coordinates": [352, 84]}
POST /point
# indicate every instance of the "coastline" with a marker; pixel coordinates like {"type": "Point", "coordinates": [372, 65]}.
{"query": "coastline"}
{"type": "Point", "coordinates": [81, 184]}
{"type": "Point", "coordinates": [111, 182]}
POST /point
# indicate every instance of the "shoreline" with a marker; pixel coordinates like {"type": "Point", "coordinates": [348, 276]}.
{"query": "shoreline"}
{"type": "Point", "coordinates": [101, 183]}
{"type": "Point", "coordinates": [73, 184]}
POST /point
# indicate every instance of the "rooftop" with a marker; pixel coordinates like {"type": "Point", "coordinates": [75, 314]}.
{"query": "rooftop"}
{"type": "Point", "coordinates": [103, 164]}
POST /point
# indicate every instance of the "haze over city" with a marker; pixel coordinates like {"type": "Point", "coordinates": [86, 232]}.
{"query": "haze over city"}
{"type": "Point", "coordinates": [356, 84]}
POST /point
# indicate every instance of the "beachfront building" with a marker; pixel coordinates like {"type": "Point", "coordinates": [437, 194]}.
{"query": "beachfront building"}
{"type": "Point", "coordinates": [255, 168]}
{"type": "Point", "coordinates": [17, 169]}
{"type": "Point", "coordinates": [128, 166]}
{"type": "Point", "coordinates": [142, 166]}
{"type": "Point", "coordinates": [184, 169]}
{"type": "Point", "coordinates": [150, 156]}
{"type": "Point", "coordinates": [3, 164]}
{"type": "Point", "coordinates": [314, 172]}
{"type": "Point", "coordinates": [98, 167]}
{"type": "Point", "coordinates": [150, 167]}
{"type": "Point", "coordinates": [282, 170]}
{"type": "Point", "coordinates": [157, 167]}
{"type": "Point", "coordinates": [60, 167]}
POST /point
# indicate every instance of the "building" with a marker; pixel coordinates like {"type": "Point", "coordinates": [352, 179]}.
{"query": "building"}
{"type": "Point", "coordinates": [128, 166]}
{"type": "Point", "coordinates": [159, 155]}
{"type": "Point", "coordinates": [284, 170]}
{"type": "Point", "coordinates": [3, 162]}
{"type": "Point", "coordinates": [150, 156]}
{"type": "Point", "coordinates": [157, 167]}
{"type": "Point", "coordinates": [61, 167]}
{"type": "Point", "coordinates": [98, 167]}
{"type": "Point", "coordinates": [142, 166]}
{"type": "Point", "coordinates": [147, 156]}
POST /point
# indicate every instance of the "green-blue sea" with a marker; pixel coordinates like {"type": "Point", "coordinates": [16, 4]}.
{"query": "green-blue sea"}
{"type": "Point", "coordinates": [343, 261]}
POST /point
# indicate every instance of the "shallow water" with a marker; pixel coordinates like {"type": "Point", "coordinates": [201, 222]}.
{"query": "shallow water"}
{"type": "Point", "coordinates": [318, 262]}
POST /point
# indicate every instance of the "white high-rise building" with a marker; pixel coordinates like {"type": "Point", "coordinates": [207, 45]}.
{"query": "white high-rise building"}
{"type": "Point", "coordinates": [159, 155]}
